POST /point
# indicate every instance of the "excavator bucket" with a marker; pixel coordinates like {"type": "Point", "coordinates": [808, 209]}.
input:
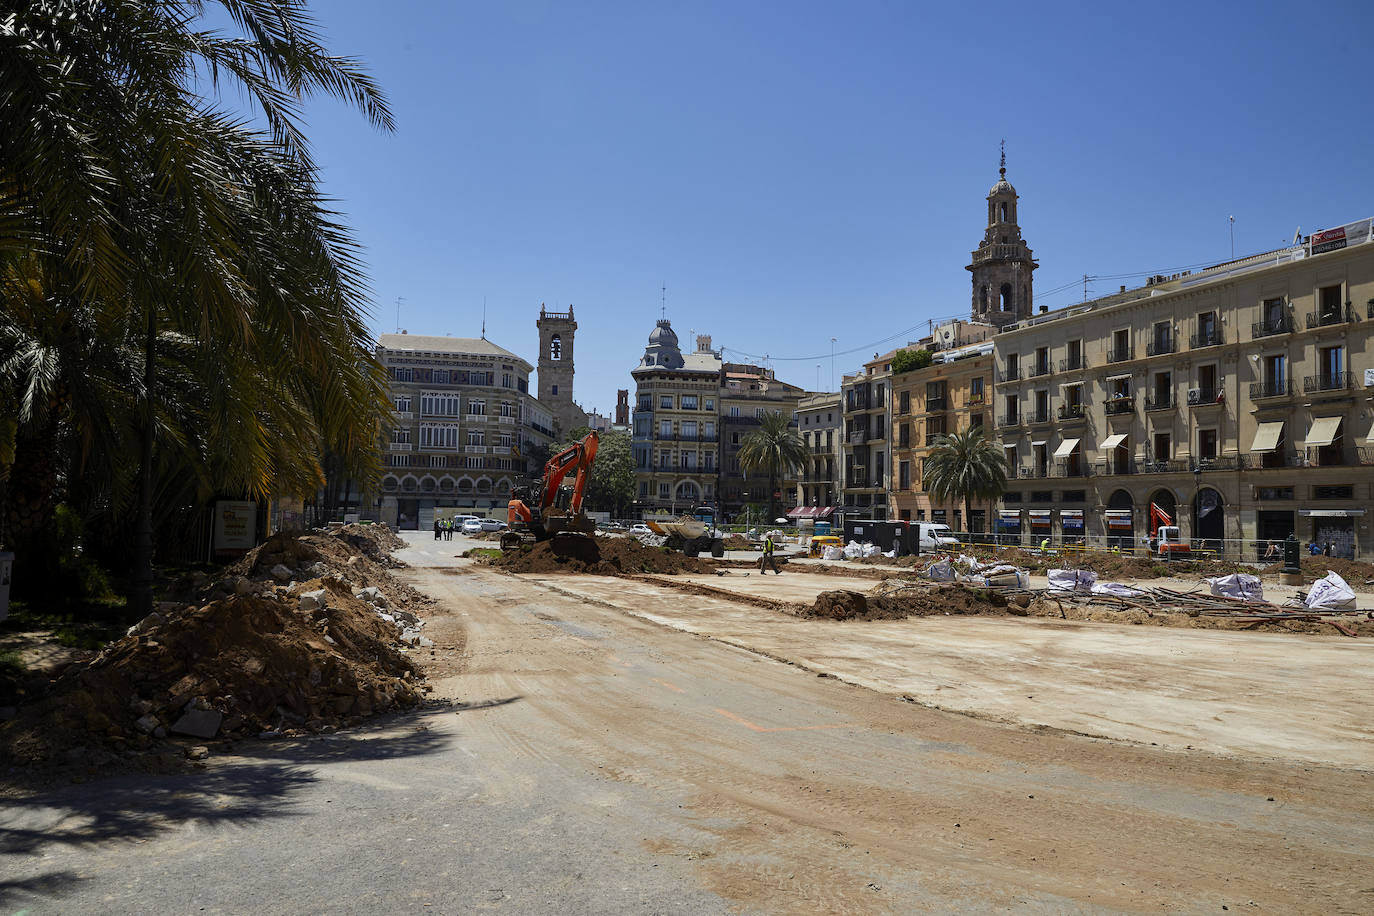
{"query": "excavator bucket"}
{"type": "Point", "coordinates": [574, 545]}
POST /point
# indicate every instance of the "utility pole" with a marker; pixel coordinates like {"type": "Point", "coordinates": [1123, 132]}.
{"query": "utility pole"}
{"type": "Point", "coordinates": [1085, 287]}
{"type": "Point", "coordinates": [832, 364]}
{"type": "Point", "coordinates": [399, 300]}
{"type": "Point", "coordinates": [1232, 221]}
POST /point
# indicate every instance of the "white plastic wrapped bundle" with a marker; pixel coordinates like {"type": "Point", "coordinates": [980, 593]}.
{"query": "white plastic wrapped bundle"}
{"type": "Point", "coordinates": [1238, 585]}
{"type": "Point", "coordinates": [939, 571]}
{"type": "Point", "coordinates": [833, 553]}
{"type": "Point", "coordinates": [1331, 593]}
{"type": "Point", "coordinates": [1072, 580]}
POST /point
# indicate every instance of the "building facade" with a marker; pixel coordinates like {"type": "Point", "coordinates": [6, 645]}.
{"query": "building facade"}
{"type": "Point", "coordinates": [820, 421]}
{"type": "Point", "coordinates": [867, 427]}
{"type": "Point", "coordinates": [462, 418]}
{"type": "Point", "coordinates": [676, 437]}
{"type": "Point", "coordinates": [747, 393]}
{"type": "Point", "coordinates": [1236, 399]}
{"type": "Point", "coordinates": [557, 335]}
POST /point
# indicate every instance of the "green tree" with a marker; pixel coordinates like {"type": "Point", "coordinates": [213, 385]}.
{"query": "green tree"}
{"type": "Point", "coordinates": [774, 448]}
{"type": "Point", "coordinates": [963, 467]}
{"type": "Point", "coordinates": [907, 360]}
{"type": "Point", "coordinates": [611, 487]}
{"type": "Point", "coordinates": [223, 298]}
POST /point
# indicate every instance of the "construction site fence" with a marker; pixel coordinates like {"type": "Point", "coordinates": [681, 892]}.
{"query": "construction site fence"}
{"type": "Point", "coordinates": [1237, 549]}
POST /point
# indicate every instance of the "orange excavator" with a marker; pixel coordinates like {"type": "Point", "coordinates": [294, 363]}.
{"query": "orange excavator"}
{"type": "Point", "coordinates": [1165, 537]}
{"type": "Point", "coordinates": [547, 510]}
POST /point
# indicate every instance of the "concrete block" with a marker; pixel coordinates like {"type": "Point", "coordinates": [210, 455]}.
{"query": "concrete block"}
{"type": "Point", "coordinates": [199, 723]}
{"type": "Point", "coordinates": [312, 600]}
{"type": "Point", "coordinates": [281, 573]}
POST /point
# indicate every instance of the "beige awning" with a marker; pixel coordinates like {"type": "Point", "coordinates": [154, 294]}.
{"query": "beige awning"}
{"type": "Point", "coordinates": [1037, 442]}
{"type": "Point", "coordinates": [1066, 448]}
{"type": "Point", "coordinates": [1323, 431]}
{"type": "Point", "coordinates": [1369, 437]}
{"type": "Point", "coordinates": [1267, 436]}
{"type": "Point", "coordinates": [1112, 442]}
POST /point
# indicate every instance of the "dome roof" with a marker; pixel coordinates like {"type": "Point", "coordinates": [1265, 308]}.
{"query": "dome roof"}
{"type": "Point", "coordinates": [1002, 187]}
{"type": "Point", "coordinates": [663, 335]}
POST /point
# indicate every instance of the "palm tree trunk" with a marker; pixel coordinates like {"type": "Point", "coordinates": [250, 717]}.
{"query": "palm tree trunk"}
{"type": "Point", "coordinates": [141, 594]}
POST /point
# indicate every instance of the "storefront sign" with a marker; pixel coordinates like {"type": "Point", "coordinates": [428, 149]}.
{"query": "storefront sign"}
{"type": "Point", "coordinates": [1040, 518]}
{"type": "Point", "coordinates": [1071, 518]}
{"type": "Point", "coordinates": [1009, 519]}
{"type": "Point", "coordinates": [1118, 519]}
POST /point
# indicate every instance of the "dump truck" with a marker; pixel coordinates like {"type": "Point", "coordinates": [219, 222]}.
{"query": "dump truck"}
{"type": "Point", "coordinates": [693, 534]}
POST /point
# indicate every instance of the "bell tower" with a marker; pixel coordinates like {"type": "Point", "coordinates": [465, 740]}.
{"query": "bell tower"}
{"type": "Point", "coordinates": [1003, 264]}
{"type": "Point", "coordinates": [556, 330]}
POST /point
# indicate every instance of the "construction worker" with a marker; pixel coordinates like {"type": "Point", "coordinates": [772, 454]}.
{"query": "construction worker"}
{"type": "Point", "coordinates": [1045, 545]}
{"type": "Point", "coordinates": [766, 560]}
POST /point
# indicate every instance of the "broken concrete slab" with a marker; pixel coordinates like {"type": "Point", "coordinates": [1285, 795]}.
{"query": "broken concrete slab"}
{"type": "Point", "coordinates": [312, 600]}
{"type": "Point", "coordinates": [281, 573]}
{"type": "Point", "coordinates": [199, 723]}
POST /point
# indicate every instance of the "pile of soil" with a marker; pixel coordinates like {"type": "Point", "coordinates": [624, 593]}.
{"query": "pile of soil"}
{"type": "Point", "coordinates": [1110, 567]}
{"type": "Point", "coordinates": [1044, 606]}
{"type": "Point", "coordinates": [1355, 572]}
{"type": "Point", "coordinates": [259, 662]}
{"type": "Point", "coordinates": [842, 604]}
{"type": "Point", "coordinates": [606, 556]}
{"type": "Point", "coordinates": [737, 542]}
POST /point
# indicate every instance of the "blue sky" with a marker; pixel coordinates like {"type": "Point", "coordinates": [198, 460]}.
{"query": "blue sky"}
{"type": "Point", "coordinates": [795, 172]}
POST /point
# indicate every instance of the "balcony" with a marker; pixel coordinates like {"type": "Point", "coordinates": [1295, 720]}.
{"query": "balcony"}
{"type": "Point", "coordinates": [1010, 374]}
{"type": "Point", "coordinates": [1008, 422]}
{"type": "Point", "coordinates": [1270, 461]}
{"type": "Point", "coordinates": [1072, 363]}
{"type": "Point", "coordinates": [1209, 338]}
{"type": "Point", "coordinates": [1109, 467]}
{"type": "Point", "coordinates": [932, 438]}
{"type": "Point", "coordinates": [1330, 456]}
{"type": "Point", "coordinates": [403, 414]}
{"type": "Point", "coordinates": [936, 403]}
{"type": "Point", "coordinates": [1039, 416]}
{"type": "Point", "coordinates": [1203, 397]}
{"type": "Point", "coordinates": [1039, 370]}
{"type": "Point", "coordinates": [1328, 317]}
{"type": "Point", "coordinates": [1119, 406]}
{"type": "Point", "coordinates": [1280, 324]}
{"type": "Point", "coordinates": [400, 446]}
{"type": "Point", "coordinates": [1071, 469]}
{"type": "Point", "coordinates": [1364, 455]}
{"type": "Point", "coordinates": [1119, 354]}
{"type": "Point", "coordinates": [1071, 412]}
{"type": "Point", "coordinates": [1218, 463]}
{"type": "Point", "coordinates": [1161, 347]}
{"type": "Point", "coordinates": [1033, 473]}
{"type": "Point", "coordinates": [1274, 388]}
{"type": "Point", "coordinates": [1163, 467]}
{"type": "Point", "coordinates": [1160, 400]}
{"type": "Point", "coordinates": [976, 400]}
{"type": "Point", "coordinates": [1332, 381]}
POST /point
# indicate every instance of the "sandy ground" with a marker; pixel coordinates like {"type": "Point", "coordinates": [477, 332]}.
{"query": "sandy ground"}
{"type": "Point", "coordinates": [791, 793]}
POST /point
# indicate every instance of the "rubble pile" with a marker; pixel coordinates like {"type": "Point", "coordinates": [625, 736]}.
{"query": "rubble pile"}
{"type": "Point", "coordinates": [896, 601]}
{"type": "Point", "coordinates": [303, 634]}
{"type": "Point", "coordinates": [600, 556]}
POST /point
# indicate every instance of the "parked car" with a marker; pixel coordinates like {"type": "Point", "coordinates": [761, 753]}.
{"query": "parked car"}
{"type": "Point", "coordinates": [473, 525]}
{"type": "Point", "coordinates": [492, 524]}
{"type": "Point", "coordinates": [639, 530]}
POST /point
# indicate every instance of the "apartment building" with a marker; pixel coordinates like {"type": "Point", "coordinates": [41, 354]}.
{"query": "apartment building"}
{"type": "Point", "coordinates": [747, 393]}
{"type": "Point", "coordinates": [462, 418]}
{"type": "Point", "coordinates": [1237, 399]}
{"type": "Point", "coordinates": [820, 421]}
{"type": "Point", "coordinates": [952, 394]}
{"type": "Point", "coordinates": [865, 397]}
{"type": "Point", "coordinates": [676, 434]}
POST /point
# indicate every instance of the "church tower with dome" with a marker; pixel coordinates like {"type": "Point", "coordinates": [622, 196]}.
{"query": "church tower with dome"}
{"type": "Point", "coordinates": [1003, 263]}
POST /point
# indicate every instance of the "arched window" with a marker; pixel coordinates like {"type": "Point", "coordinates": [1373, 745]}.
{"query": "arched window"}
{"type": "Point", "coordinates": [1006, 297]}
{"type": "Point", "coordinates": [556, 347]}
{"type": "Point", "coordinates": [983, 298]}
{"type": "Point", "coordinates": [1004, 211]}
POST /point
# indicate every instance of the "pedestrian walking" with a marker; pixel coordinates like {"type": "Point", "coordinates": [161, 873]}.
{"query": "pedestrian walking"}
{"type": "Point", "coordinates": [766, 561]}
{"type": "Point", "coordinates": [438, 528]}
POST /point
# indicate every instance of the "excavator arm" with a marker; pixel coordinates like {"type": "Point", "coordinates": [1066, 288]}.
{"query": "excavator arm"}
{"type": "Point", "coordinates": [542, 517]}
{"type": "Point", "coordinates": [575, 459]}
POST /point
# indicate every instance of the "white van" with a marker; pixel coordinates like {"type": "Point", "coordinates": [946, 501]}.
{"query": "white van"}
{"type": "Point", "coordinates": [935, 537]}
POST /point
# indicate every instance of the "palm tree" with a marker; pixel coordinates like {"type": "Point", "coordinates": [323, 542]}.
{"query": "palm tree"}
{"type": "Point", "coordinates": [963, 467]}
{"type": "Point", "coordinates": [197, 249]}
{"type": "Point", "coordinates": [774, 447]}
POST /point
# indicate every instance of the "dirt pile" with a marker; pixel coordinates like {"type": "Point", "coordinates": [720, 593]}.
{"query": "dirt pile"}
{"type": "Point", "coordinates": [304, 633]}
{"type": "Point", "coordinates": [1046, 606]}
{"type": "Point", "coordinates": [737, 542]}
{"type": "Point", "coordinates": [603, 557]}
{"type": "Point", "coordinates": [236, 666]}
{"type": "Point", "coordinates": [1355, 572]}
{"type": "Point", "coordinates": [897, 604]}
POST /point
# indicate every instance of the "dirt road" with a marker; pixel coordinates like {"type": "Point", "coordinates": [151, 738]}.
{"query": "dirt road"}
{"type": "Point", "coordinates": [787, 792]}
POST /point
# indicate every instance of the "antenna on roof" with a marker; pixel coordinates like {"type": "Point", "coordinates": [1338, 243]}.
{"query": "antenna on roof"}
{"type": "Point", "coordinates": [663, 302]}
{"type": "Point", "coordinates": [1297, 234]}
{"type": "Point", "coordinates": [484, 317]}
{"type": "Point", "coordinates": [399, 300]}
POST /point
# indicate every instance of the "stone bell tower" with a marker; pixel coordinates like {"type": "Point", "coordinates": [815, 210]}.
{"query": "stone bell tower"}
{"type": "Point", "coordinates": [556, 330]}
{"type": "Point", "coordinates": [1003, 263]}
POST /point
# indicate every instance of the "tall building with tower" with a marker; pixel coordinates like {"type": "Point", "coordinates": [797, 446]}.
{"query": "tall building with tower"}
{"type": "Point", "coordinates": [556, 333]}
{"type": "Point", "coordinates": [1002, 264]}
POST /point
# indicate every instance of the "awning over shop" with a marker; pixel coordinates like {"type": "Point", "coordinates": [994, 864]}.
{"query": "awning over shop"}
{"type": "Point", "coordinates": [1323, 431]}
{"type": "Point", "coordinates": [1009, 519]}
{"type": "Point", "coordinates": [800, 512]}
{"type": "Point", "coordinates": [1066, 448]}
{"type": "Point", "coordinates": [1267, 436]}
{"type": "Point", "coordinates": [1071, 518]}
{"type": "Point", "coordinates": [1118, 518]}
{"type": "Point", "coordinates": [1112, 442]}
{"type": "Point", "coordinates": [824, 511]}
{"type": "Point", "coordinates": [1039, 518]}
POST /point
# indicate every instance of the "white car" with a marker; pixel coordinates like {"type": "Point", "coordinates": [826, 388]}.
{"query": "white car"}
{"type": "Point", "coordinates": [492, 524]}
{"type": "Point", "coordinates": [640, 530]}
{"type": "Point", "coordinates": [473, 525]}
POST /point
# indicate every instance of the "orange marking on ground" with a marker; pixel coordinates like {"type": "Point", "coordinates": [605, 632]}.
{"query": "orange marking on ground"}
{"type": "Point", "coordinates": [673, 687]}
{"type": "Point", "coordinates": [785, 728]}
